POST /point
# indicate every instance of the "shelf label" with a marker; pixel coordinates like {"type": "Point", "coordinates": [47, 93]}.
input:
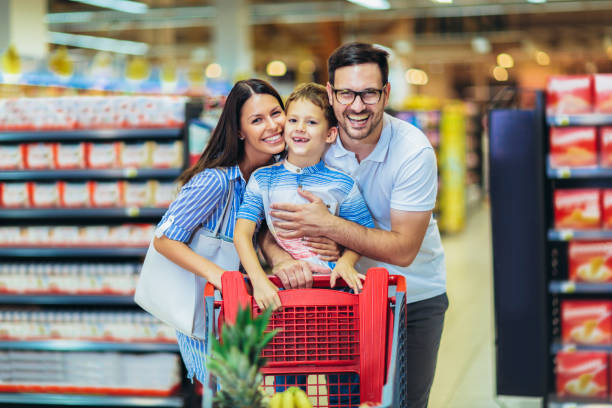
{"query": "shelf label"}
{"type": "Point", "coordinates": [569, 348]}
{"type": "Point", "coordinates": [132, 211]}
{"type": "Point", "coordinates": [566, 235]}
{"type": "Point", "coordinates": [564, 172]}
{"type": "Point", "coordinates": [569, 405]}
{"type": "Point", "coordinates": [562, 120]}
{"type": "Point", "coordinates": [130, 172]}
{"type": "Point", "coordinates": [568, 287]}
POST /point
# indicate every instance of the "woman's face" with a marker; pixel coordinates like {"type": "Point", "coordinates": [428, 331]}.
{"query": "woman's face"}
{"type": "Point", "coordinates": [261, 126]}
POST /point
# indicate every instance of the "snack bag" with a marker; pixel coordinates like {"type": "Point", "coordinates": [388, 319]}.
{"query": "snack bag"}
{"type": "Point", "coordinates": [138, 194]}
{"type": "Point", "coordinates": [602, 84]}
{"type": "Point", "coordinates": [586, 321]}
{"type": "Point", "coordinates": [606, 146]}
{"type": "Point", "coordinates": [43, 195]}
{"type": "Point", "coordinates": [103, 155]}
{"type": "Point", "coordinates": [590, 261]}
{"type": "Point", "coordinates": [11, 156]}
{"type": "Point", "coordinates": [14, 195]}
{"type": "Point", "coordinates": [136, 155]}
{"type": "Point", "coordinates": [582, 374]}
{"type": "Point", "coordinates": [106, 194]}
{"type": "Point", "coordinates": [577, 208]}
{"type": "Point", "coordinates": [39, 156]}
{"type": "Point", "coordinates": [573, 146]}
{"type": "Point", "coordinates": [74, 195]}
{"type": "Point", "coordinates": [569, 94]}
{"type": "Point", "coordinates": [69, 156]}
{"type": "Point", "coordinates": [167, 155]}
{"type": "Point", "coordinates": [606, 207]}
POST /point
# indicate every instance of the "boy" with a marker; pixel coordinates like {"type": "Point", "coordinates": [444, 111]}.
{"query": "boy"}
{"type": "Point", "coordinates": [309, 129]}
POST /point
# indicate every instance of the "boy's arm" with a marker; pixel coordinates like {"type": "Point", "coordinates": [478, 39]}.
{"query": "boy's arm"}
{"type": "Point", "coordinates": [264, 291]}
{"type": "Point", "coordinates": [345, 268]}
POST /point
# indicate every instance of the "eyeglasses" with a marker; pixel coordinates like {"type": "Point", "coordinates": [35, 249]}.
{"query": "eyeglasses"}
{"type": "Point", "coordinates": [347, 96]}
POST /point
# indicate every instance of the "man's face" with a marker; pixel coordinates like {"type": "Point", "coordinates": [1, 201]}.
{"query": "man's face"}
{"type": "Point", "coordinates": [357, 120]}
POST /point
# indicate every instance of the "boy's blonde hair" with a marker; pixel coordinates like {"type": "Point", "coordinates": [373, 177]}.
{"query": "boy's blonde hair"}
{"type": "Point", "coordinates": [317, 94]}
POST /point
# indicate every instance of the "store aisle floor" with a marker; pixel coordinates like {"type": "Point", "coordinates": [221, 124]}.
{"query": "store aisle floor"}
{"type": "Point", "coordinates": [465, 375]}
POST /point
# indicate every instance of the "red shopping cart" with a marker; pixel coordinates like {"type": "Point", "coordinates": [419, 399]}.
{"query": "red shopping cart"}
{"type": "Point", "coordinates": [342, 349]}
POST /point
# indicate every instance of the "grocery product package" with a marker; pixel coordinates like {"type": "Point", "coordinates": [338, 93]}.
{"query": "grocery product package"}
{"type": "Point", "coordinates": [582, 374]}
{"type": "Point", "coordinates": [69, 156]}
{"type": "Point", "coordinates": [602, 84]}
{"type": "Point", "coordinates": [138, 194]}
{"type": "Point", "coordinates": [573, 146]}
{"type": "Point", "coordinates": [39, 156]}
{"type": "Point", "coordinates": [606, 208]}
{"type": "Point", "coordinates": [590, 261]}
{"type": "Point", "coordinates": [74, 194]}
{"type": "Point", "coordinates": [106, 193]}
{"type": "Point", "coordinates": [577, 208]}
{"type": "Point", "coordinates": [166, 155]}
{"type": "Point", "coordinates": [11, 157]}
{"type": "Point", "coordinates": [136, 155]}
{"type": "Point", "coordinates": [569, 94]}
{"type": "Point", "coordinates": [43, 195]}
{"type": "Point", "coordinates": [14, 195]}
{"type": "Point", "coordinates": [586, 321]}
{"type": "Point", "coordinates": [103, 155]}
{"type": "Point", "coordinates": [606, 146]}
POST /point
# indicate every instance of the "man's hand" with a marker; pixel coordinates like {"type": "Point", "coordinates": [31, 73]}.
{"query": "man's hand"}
{"type": "Point", "coordinates": [300, 220]}
{"type": "Point", "coordinates": [325, 248]}
{"type": "Point", "coordinates": [294, 274]}
{"type": "Point", "coordinates": [349, 274]}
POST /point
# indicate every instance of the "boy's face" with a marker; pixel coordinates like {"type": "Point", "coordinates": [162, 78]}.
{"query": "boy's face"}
{"type": "Point", "coordinates": [307, 132]}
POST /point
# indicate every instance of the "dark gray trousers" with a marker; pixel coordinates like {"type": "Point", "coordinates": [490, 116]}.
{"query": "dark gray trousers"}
{"type": "Point", "coordinates": [425, 322]}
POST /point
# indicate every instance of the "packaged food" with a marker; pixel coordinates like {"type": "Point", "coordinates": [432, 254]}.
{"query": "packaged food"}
{"type": "Point", "coordinates": [140, 234]}
{"type": "Point", "coordinates": [167, 155]}
{"type": "Point", "coordinates": [136, 155]}
{"type": "Point", "coordinates": [37, 235]}
{"type": "Point", "coordinates": [590, 261]}
{"type": "Point", "coordinates": [138, 194]}
{"type": "Point", "coordinates": [606, 146]}
{"type": "Point", "coordinates": [602, 84]}
{"type": "Point", "coordinates": [164, 193]}
{"type": "Point", "coordinates": [106, 194]}
{"type": "Point", "coordinates": [11, 236]}
{"type": "Point", "coordinates": [14, 195]}
{"type": "Point", "coordinates": [569, 94]}
{"type": "Point", "coordinates": [11, 156]}
{"type": "Point", "coordinates": [69, 156]}
{"type": "Point", "coordinates": [43, 195]}
{"type": "Point", "coordinates": [103, 114]}
{"type": "Point", "coordinates": [74, 195]}
{"type": "Point", "coordinates": [103, 155]}
{"type": "Point", "coordinates": [573, 147]}
{"type": "Point", "coordinates": [606, 208]}
{"type": "Point", "coordinates": [65, 235]}
{"type": "Point", "coordinates": [95, 235]}
{"type": "Point", "coordinates": [577, 208]}
{"type": "Point", "coordinates": [586, 321]}
{"type": "Point", "coordinates": [582, 374]}
{"type": "Point", "coordinates": [39, 156]}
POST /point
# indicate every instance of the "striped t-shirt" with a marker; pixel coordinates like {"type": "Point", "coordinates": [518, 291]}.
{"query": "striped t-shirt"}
{"type": "Point", "coordinates": [279, 182]}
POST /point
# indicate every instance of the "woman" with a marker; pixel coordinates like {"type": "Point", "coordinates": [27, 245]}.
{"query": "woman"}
{"type": "Point", "coordinates": [248, 135]}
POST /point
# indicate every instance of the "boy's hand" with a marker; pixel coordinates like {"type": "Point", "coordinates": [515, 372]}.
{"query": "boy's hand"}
{"type": "Point", "coordinates": [266, 294]}
{"type": "Point", "coordinates": [325, 248]}
{"type": "Point", "coordinates": [349, 274]}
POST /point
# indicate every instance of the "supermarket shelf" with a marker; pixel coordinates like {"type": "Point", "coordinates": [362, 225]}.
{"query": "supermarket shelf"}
{"type": "Point", "coordinates": [554, 402]}
{"type": "Point", "coordinates": [97, 213]}
{"type": "Point", "coordinates": [52, 252]}
{"type": "Point", "coordinates": [557, 347]}
{"type": "Point", "coordinates": [569, 234]}
{"type": "Point", "coordinates": [578, 172]}
{"type": "Point", "coordinates": [90, 134]}
{"type": "Point", "coordinates": [88, 174]}
{"type": "Point", "coordinates": [584, 119]}
{"type": "Point", "coordinates": [66, 299]}
{"type": "Point", "coordinates": [76, 345]}
{"type": "Point", "coordinates": [578, 287]}
{"type": "Point", "coordinates": [88, 400]}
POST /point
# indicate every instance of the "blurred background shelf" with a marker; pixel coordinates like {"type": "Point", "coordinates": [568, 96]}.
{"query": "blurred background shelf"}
{"type": "Point", "coordinates": [90, 134]}
{"type": "Point", "coordinates": [53, 299]}
{"type": "Point", "coordinates": [584, 119]}
{"type": "Point", "coordinates": [89, 400]}
{"type": "Point", "coordinates": [88, 174]}
{"type": "Point", "coordinates": [69, 213]}
{"type": "Point", "coordinates": [78, 345]}
{"type": "Point", "coordinates": [577, 235]}
{"type": "Point", "coordinates": [557, 286]}
{"type": "Point", "coordinates": [73, 252]}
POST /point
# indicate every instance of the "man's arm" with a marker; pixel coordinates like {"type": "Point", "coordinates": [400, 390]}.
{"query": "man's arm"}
{"type": "Point", "coordinates": [398, 246]}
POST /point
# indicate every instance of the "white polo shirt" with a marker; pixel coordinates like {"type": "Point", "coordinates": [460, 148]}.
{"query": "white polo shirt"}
{"type": "Point", "coordinates": [400, 174]}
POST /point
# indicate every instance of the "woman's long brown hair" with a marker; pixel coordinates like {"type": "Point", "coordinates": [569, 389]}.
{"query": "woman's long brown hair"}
{"type": "Point", "coordinates": [224, 148]}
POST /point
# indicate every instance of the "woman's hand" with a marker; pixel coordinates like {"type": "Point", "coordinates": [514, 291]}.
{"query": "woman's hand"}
{"type": "Point", "coordinates": [327, 249]}
{"type": "Point", "coordinates": [266, 294]}
{"type": "Point", "coordinates": [350, 275]}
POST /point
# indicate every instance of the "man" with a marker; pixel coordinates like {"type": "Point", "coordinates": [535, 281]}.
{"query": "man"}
{"type": "Point", "coordinates": [395, 167]}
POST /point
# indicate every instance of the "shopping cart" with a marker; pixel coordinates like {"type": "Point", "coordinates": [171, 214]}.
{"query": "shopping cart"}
{"type": "Point", "coordinates": [341, 349]}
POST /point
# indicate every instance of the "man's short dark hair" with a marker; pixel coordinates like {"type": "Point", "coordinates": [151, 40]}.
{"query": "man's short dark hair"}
{"type": "Point", "coordinates": [356, 53]}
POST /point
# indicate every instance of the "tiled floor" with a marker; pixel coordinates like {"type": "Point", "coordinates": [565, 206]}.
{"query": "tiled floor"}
{"type": "Point", "coordinates": [465, 375]}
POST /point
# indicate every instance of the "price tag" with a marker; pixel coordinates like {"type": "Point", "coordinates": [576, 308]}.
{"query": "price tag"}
{"type": "Point", "coordinates": [564, 172]}
{"type": "Point", "coordinates": [562, 120]}
{"type": "Point", "coordinates": [569, 348]}
{"type": "Point", "coordinates": [569, 405]}
{"type": "Point", "coordinates": [568, 287]}
{"type": "Point", "coordinates": [132, 211]}
{"type": "Point", "coordinates": [131, 173]}
{"type": "Point", "coordinates": [566, 235]}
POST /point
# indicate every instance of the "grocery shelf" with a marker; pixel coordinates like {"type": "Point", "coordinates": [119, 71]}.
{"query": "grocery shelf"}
{"type": "Point", "coordinates": [558, 346]}
{"type": "Point", "coordinates": [77, 345]}
{"type": "Point", "coordinates": [44, 299]}
{"type": "Point", "coordinates": [557, 286]}
{"type": "Point", "coordinates": [88, 400]}
{"type": "Point", "coordinates": [555, 402]}
{"type": "Point", "coordinates": [570, 234]}
{"type": "Point", "coordinates": [583, 119]}
{"type": "Point", "coordinates": [89, 174]}
{"type": "Point", "coordinates": [90, 134]}
{"type": "Point", "coordinates": [96, 213]}
{"type": "Point", "coordinates": [52, 252]}
{"type": "Point", "coordinates": [578, 172]}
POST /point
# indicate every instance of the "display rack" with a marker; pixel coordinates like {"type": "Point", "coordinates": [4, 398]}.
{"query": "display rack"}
{"type": "Point", "coordinates": [87, 254]}
{"type": "Point", "coordinates": [530, 254]}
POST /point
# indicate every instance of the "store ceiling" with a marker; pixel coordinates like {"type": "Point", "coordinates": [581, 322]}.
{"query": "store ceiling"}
{"type": "Point", "coordinates": [418, 29]}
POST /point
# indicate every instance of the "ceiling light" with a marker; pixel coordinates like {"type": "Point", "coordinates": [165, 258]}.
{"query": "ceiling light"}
{"type": "Point", "coordinates": [536, 1]}
{"type": "Point", "coordinates": [276, 68]}
{"type": "Point", "coordinates": [373, 4]}
{"type": "Point", "coordinates": [542, 58]}
{"type": "Point", "coordinates": [213, 70]}
{"type": "Point", "coordinates": [609, 51]}
{"type": "Point", "coordinates": [416, 77]}
{"type": "Point", "coordinates": [443, 1]}
{"type": "Point", "coordinates": [99, 43]}
{"type": "Point", "coordinates": [481, 45]}
{"type": "Point", "coordinates": [307, 67]}
{"type": "Point", "coordinates": [126, 6]}
{"type": "Point", "coordinates": [505, 60]}
{"type": "Point", "coordinates": [500, 74]}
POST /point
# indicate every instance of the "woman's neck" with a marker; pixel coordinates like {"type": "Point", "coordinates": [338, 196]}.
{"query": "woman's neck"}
{"type": "Point", "coordinates": [247, 167]}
